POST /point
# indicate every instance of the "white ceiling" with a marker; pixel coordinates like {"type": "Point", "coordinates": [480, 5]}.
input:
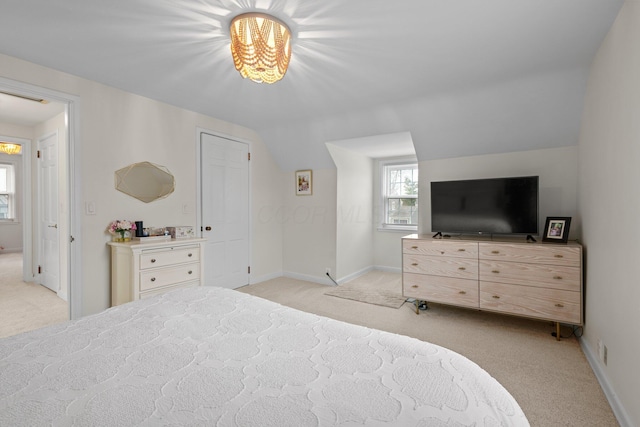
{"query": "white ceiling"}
{"type": "Point", "coordinates": [461, 77]}
{"type": "Point", "coordinates": [25, 112]}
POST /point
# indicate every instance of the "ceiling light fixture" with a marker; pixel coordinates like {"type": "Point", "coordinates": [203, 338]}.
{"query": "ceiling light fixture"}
{"type": "Point", "coordinates": [260, 45]}
{"type": "Point", "coordinates": [9, 148]}
{"type": "Point", "coordinates": [28, 98]}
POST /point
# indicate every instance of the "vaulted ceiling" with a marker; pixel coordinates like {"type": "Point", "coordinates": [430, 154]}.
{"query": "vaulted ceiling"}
{"type": "Point", "coordinates": [461, 77]}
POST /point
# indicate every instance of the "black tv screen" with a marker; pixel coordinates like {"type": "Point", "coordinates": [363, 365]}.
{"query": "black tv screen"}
{"type": "Point", "coordinates": [485, 206]}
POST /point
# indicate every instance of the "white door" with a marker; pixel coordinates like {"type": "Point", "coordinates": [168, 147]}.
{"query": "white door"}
{"type": "Point", "coordinates": [225, 211]}
{"type": "Point", "coordinates": [49, 249]}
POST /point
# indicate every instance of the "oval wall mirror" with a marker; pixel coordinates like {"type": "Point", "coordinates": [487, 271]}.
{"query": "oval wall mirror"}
{"type": "Point", "coordinates": [145, 181]}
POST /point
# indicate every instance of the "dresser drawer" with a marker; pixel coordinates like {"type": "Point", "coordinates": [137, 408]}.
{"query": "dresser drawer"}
{"type": "Point", "coordinates": [159, 277]}
{"type": "Point", "coordinates": [531, 253]}
{"type": "Point", "coordinates": [441, 289]}
{"type": "Point", "coordinates": [550, 304]}
{"type": "Point", "coordinates": [540, 275]}
{"type": "Point", "coordinates": [158, 291]}
{"type": "Point", "coordinates": [447, 248]}
{"type": "Point", "coordinates": [461, 268]}
{"type": "Point", "coordinates": [169, 256]}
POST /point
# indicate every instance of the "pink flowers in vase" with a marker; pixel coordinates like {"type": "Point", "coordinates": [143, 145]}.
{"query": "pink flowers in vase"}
{"type": "Point", "coordinates": [122, 228]}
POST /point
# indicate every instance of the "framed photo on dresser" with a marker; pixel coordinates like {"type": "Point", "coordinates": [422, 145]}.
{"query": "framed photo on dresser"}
{"type": "Point", "coordinates": [556, 229]}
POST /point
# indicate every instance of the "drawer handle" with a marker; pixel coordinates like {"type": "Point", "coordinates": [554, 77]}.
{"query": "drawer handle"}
{"type": "Point", "coordinates": [558, 256]}
{"type": "Point", "coordinates": [462, 293]}
{"type": "Point", "coordinates": [414, 286]}
{"type": "Point", "coordinates": [495, 271]}
{"type": "Point", "coordinates": [461, 250]}
{"type": "Point", "coordinates": [461, 268]}
{"type": "Point", "coordinates": [442, 252]}
{"type": "Point", "coordinates": [560, 305]}
{"type": "Point", "coordinates": [190, 255]}
{"type": "Point", "coordinates": [495, 252]}
{"type": "Point", "coordinates": [496, 297]}
{"type": "Point", "coordinates": [153, 260]}
{"type": "Point", "coordinates": [414, 247]}
{"type": "Point", "coordinates": [557, 277]}
{"type": "Point", "coordinates": [153, 279]}
{"type": "Point", "coordinates": [414, 263]}
{"type": "Point", "coordinates": [190, 272]}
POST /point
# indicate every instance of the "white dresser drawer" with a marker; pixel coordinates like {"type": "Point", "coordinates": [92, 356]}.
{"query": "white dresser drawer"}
{"type": "Point", "coordinates": [158, 277]}
{"type": "Point", "coordinates": [169, 256]}
{"type": "Point", "coordinates": [158, 291]}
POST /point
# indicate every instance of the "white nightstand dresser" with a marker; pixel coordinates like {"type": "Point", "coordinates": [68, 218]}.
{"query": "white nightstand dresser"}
{"type": "Point", "coordinates": [141, 269]}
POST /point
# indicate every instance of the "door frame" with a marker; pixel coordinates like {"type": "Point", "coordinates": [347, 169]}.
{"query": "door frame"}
{"type": "Point", "coordinates": [199, 225]}
{"type": "Point", "coordinates": [73, 154]}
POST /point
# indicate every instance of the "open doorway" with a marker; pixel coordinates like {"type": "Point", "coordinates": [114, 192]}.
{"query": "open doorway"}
{"type": "Point", "coordinates": [35, 234]}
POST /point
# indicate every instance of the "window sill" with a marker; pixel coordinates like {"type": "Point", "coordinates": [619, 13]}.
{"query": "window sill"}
{"type": "Point", "coordinates": [398, 229]}
{"type": "Point", "coordinates": [9, 222]}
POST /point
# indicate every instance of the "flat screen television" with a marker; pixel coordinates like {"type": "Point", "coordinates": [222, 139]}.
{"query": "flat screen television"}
{"type": "Point", "coordinates": [485, 206]}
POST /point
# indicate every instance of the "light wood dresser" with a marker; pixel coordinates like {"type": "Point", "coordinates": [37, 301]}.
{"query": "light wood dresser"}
{"type": "Point", "coordinates": [142, 269]}
{"type": "Point", "coordinates": [537, 280]}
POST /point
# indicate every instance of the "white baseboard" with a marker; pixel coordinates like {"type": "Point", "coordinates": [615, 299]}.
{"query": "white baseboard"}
{"type": "Point", "coordinates": [355, 275]}
{"type": "Point", "coordinates": [321, 280]}
{"type": "Point", "coordinates": [618, 410]}
{"type": "Point", "coordinates": [388, 269]}
{"type": "Point", "coordinates": [265, 277]}
{"type": "Point", "coordinates": [10, 250]}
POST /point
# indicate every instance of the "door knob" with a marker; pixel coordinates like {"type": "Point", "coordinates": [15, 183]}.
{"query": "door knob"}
{"type": "Point", "coordinates": [208, 228]}
{"type": "Point", "coordinates": [53, 226]}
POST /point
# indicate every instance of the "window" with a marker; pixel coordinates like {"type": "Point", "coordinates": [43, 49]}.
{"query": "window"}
{"type": "Point", "coordinates": [399, 196]}
{"type": "Point", "coordinates": [7, 192]}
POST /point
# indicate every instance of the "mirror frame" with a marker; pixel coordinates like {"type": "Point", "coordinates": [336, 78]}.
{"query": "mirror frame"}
{"type": "Point", "coordinates": [145, 181]}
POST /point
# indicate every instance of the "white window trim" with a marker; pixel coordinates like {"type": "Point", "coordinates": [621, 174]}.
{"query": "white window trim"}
{"type": "Point", "coordinates": [382, 225]}
{"type": "Point", "coordinates": [11, 192]}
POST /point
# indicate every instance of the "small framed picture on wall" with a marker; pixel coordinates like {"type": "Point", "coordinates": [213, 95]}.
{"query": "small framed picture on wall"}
{"type": "Point", "coordinates": [303, 183]}
{"type": "Point", "coordinates": [556, 229]}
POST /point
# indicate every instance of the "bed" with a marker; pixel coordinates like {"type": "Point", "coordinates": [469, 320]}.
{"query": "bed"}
{"type": "Point", "coordinates": [214, 356]}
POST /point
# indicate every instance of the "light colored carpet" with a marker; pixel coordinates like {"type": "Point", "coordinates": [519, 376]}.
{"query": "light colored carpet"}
{"type": "Point", "coordinates": [25, 306]}
{"type": "Point", "coordinates": [551, 380]}
{"type": "Point", "coordinates": [375, 287]}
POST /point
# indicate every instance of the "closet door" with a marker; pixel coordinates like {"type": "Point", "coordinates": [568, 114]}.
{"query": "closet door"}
{"type": "Point", "coordinates": [225, 211]}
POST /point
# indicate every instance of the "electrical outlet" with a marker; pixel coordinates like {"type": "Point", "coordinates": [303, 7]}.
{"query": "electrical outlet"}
{"type": "Point", "coordinates": [327, 271]}
{"type": "Point", "coordinates": [602, 352]}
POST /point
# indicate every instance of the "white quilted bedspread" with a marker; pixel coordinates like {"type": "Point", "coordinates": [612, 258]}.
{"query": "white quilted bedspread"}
{"type": "Point", "coordinates": [212, 356]}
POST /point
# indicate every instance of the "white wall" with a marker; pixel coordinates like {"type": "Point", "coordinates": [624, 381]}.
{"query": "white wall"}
{"type": "Point", "coordinates": [354, 211]}
{"type": "Point", "coordinates": [309, 227]}
{"type": "Point", "coordinates": [556, 167]}
{"type": "Point", "coordinates": [610, 207]}
{"type": "Point", "coordinates": [266, 221]}
{"type": "Point", "coordinates": [118, 128]}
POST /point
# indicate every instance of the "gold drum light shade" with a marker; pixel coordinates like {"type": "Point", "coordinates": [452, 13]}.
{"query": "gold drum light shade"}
{"type": "Point", "coordinates": [261, 47]}
{"type": "Point", "coordinates": [9, 148]}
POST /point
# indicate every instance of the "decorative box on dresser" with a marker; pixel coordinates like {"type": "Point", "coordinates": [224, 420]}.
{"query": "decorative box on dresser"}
{"type": "Point", "coordinates": [537, 280]}
{"type": "Point", "coordinates": [144, 268]}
